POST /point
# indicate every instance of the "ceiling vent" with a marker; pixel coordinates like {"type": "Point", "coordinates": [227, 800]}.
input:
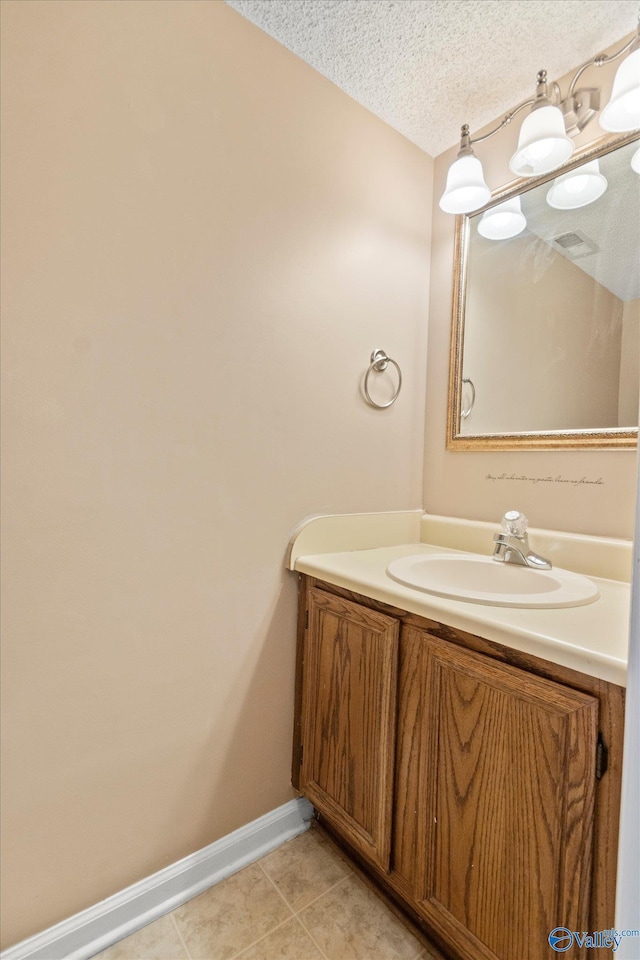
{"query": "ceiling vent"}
{"type": "Point", "coordinates": [575, 245]}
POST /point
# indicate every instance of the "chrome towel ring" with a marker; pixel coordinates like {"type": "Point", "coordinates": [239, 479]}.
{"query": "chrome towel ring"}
{"type": "Point", "coordinates": [379, 363]}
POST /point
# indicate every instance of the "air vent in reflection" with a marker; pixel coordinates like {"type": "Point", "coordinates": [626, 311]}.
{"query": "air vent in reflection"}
{"type": "Point", "coordinates": [575, 245]}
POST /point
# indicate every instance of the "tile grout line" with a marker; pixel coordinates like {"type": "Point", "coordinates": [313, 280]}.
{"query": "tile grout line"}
{"type": "Point", "coordinates": [275, 887]}
{"type": "Point", "coordinates": [351, 873]}
{"type": "Point", "coordinates": [238, 956]}
{"type": "Point", "coordinates": [297, 912]}
{"type": "Point", "coordinates": [296, 915]}
{"type": "Point", "coordinates": [319, 897]}
{"type": "Point", "coordinates": [182, 939]}
{"type": "Point", "coordinates": [278, 925]}
{"type": "Point", "coordinates": [311, 937]}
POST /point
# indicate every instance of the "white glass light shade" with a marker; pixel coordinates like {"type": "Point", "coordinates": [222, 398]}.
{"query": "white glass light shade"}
{"type": "Point", "coordinates": [503, 221]}
{"type": "Point", "coordinates": [543, 144]}
{"type": "Point", "coordinates": [623, 110]}
{"type": "Point", "coordinates": [578, 188]}
{"type": "Point", "coordinates": [466, 189]}
{"type": "Point", "coordinates": [635, 161]}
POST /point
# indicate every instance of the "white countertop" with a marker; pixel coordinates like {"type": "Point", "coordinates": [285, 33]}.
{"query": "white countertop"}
{"type": "Point", "coordinates": [592, 639]}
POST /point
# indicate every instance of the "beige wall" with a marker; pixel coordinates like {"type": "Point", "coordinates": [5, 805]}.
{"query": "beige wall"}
{"type": "Point", "coordinates": [629, 363]}
{"type": "Point", "coordinates": [542, 346]}
{"type": "Point", "coordinates": [581, 491]}
{"type": "Point", "coordinates": [203, 242]}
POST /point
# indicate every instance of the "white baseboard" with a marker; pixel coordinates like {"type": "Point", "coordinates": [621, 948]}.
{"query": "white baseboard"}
{"type": "Point", "coordinates": [95, 929]}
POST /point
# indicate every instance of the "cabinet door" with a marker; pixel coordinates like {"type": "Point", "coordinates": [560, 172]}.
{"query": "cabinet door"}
{"type": "Point", "coordinates": [349, 720]}
{"type": "Point", "coordinates": [508, 781]}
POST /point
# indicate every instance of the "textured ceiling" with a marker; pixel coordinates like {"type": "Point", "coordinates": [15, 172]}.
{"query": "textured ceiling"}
{"type": "Point", "coordinates": [427, 66]}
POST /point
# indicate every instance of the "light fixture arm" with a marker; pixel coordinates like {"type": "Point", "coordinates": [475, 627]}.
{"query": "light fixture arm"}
{"type": "Point", "coordinates": [503, 123]}
{"type": "Point", "coordinates": [541, 97]}
{"type": "Point", "coordinates": [546, 137]}
{"type": "Point", "coordinates": [542, 94]}
{"type": "Point", "coordinates": [601, 60]}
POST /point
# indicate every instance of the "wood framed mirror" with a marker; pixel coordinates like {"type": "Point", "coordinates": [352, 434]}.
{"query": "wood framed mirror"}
{"type": "Point", "coordinates": [545, 346]}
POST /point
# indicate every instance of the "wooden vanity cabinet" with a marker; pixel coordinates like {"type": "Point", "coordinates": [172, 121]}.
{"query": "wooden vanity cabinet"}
{"type": "Point", "coordinates": [466, 777]}
{"type": "Point", "coordinates": [508, 781]}
{"type": "Point", "coordinates": [349, 720]}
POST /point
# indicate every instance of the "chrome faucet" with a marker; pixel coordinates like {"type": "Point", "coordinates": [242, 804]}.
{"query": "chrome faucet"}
{"type": "Point", "coordinates": [512, 545]}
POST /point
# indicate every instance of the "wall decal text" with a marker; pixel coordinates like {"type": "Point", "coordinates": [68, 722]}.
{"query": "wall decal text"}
{"type": "Point", "coordinates": [572, 481]}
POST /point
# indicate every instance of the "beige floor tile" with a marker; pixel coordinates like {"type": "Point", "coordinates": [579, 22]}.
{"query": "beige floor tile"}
{"type": "Point", "coordinates": [430, 954]}
{"type": "Point", "coordinates": [157, 941]}
{"type": "Point", "coordinates": [288, 942]}
{"type": "Point", "coordinates": [304, 868]}
{"type": "Point", "coordinates": [351, 923]}
{"type": "Point", "coordinates": [229, 917]}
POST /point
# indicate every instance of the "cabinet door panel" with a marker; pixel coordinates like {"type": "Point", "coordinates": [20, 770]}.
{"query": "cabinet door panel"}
{"type": "Point", "coordinates": [508, 777]}
{"type": "Point", "coordinates": [411, 699]}
{"type": "Point", "coordinates": [349, 721]}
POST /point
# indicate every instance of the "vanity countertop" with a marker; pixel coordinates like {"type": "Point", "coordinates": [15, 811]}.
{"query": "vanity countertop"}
{"type": "Point", "coordinates": [591, 639]}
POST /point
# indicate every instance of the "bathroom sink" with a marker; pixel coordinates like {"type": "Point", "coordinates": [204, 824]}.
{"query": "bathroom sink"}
{"type": "Point", "coordinates": [479, 579]}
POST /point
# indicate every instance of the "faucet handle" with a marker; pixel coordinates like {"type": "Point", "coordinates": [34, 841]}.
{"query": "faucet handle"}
{"type": "Point", "coordinates": [514, 523]}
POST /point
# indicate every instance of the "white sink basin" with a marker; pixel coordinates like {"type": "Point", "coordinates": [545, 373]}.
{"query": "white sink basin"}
{"type": "Point", "coordinates": [478, 579]}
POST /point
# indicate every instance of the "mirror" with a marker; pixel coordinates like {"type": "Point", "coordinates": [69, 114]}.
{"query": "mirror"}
{"type": "Point", "coordinates": [545, 349]}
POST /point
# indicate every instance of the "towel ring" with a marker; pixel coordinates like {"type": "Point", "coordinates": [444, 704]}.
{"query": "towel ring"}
{"type": "Point", "coordinates": [379, 363]}
{"type": "Point", "coordinates": [465, 413]}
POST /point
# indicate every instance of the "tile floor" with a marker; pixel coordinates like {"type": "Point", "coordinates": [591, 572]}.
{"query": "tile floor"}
{"type": "Point", "coordinates": [300, 902]}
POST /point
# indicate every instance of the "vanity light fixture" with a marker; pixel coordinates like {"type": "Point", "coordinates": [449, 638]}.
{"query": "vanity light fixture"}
{"type": "Point", "coordinates": [543, 144]}
{"type": "Point", "coordinates": [466, 189]}
{"type": "Point", "coordinates": [503, 221]}
{"type": "Point", "coordinates": [623, 110]}
{"type": "Point", "coordinates": [545, 136]}
{"type": "Point", "coordinates": [578, 188]}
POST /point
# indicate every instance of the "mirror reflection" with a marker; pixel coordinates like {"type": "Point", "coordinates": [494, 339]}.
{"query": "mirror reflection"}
{"type": "Point", "coordinates": [549, 310]}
